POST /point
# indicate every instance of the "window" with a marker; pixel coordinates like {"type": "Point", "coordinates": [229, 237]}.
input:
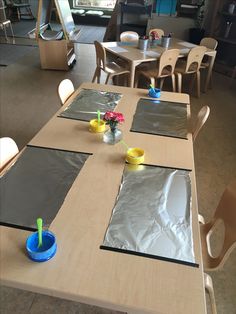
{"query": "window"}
{"type": "Point", "coordinates": [101, 4]}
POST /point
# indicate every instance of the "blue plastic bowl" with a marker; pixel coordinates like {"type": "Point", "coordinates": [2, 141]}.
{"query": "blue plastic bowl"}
{"type": "Point", "coordinates": [46, 251]}
{"type": "Point", "coordinates": [156, 93]}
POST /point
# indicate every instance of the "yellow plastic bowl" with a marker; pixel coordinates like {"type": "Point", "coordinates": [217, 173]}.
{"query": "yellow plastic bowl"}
{"type": "Point", "coordinates": [135, 156]}
{"type": "Point", "coordinates": [97, 128]}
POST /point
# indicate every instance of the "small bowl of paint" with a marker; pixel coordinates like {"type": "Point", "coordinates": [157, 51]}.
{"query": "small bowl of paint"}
{"type": "Point", "coordinates": [44, 252]}
{"type": "Point", "coordinates": [135, 156]}
{"type": "Point", "coordinates": [97, 127]}
{"type": "Point", "coordinates": [154, 92]}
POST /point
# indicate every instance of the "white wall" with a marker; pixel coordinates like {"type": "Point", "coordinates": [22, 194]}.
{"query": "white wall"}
{"type": "Point", "coordinates": [179, 26]}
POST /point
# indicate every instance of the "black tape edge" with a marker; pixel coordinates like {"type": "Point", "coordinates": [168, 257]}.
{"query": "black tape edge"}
{"type": "Point", "coordinates": [167, 259]}
{"type": "Point", "coordinates": [9, 225]}
{"type": "Point", "coordinates": [161, 166]}
{"type": "Point", "coordinates": [165, 101]}
{"type": "Point", "coordinates": [181, 138]}
{"type": "Point", "coordinates": [63, 150]}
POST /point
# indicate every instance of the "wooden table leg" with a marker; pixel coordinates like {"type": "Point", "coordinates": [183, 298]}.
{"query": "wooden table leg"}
{"type": "Point", "coordinates": [209, 70]}
{"type": "Point", "coordinates": [132, 74]}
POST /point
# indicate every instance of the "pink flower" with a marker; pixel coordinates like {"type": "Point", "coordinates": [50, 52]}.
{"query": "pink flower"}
{"type": "Point", "coordinates": [111, 116]}
{"type": "Point", "coordinates": [154, 35]}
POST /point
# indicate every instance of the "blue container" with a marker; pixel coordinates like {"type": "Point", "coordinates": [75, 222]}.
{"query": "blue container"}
{"type": "Point", "coordinates": [154, 93]}
{"type": "Point", "coordinates": [46, 251]}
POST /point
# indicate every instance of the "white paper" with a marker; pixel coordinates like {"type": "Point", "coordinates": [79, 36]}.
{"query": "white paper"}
{"type": "Point", "coordinates": [118, 49]}
{"type": "Point", "coordinates": [184, 51]}
{"type": "Point", "coordinates": [151, 54]}
{"type": "Point", "coordinates": [186, 44]}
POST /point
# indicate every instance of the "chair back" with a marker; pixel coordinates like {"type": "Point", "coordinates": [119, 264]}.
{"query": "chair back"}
{"type": "Point", "coordinates": [65, 90]}
{"type": "Point", "coordinates": [194, 59]}
{"type": "Point", "coordinates": [159, 32]}
{"type": "Point", "coordinates": [129, 36]}
{"type": "Point", "coordinates": [209, 43]}
{"type": "Point", "coordinates": [226, 213]}
{"type": "Point", "coordinates": [100, 55]}
{"type": "Point", "coordinates": [201, 119]}
{"type": "Point", "coordinates": [8, 150]}
{"type": "Point", "coordinates": [168, 61]}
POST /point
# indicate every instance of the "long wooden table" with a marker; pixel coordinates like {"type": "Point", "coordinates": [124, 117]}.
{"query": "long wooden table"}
{"type": "Point", "coordinates": [134, 56]}
{"type": "Point", "coordinates": [80, 270]}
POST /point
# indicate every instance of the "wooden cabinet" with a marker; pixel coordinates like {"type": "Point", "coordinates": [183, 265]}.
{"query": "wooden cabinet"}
{"type": "Point", "coordinates": [56, 54]}
{"type": "Point", "coordinates": [223, 28]}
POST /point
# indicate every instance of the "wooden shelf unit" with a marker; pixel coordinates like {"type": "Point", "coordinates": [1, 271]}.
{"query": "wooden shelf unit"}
{"type": "Point", "coordinates": [54, 54]}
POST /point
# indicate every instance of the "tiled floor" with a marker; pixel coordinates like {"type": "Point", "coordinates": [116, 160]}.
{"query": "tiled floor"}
{"type": "Point", "coordinates": [29, 98]}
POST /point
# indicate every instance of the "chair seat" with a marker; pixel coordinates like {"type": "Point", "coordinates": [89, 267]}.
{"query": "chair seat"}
{"type": "Point", "coordinates": [5, 22]}
{"type": "Point", "coordinates": [154, 73]}
{"type": "Point", "coordinates": [113, 68]}
{"type": "Point", "coordinates": [21, 5]}
{"type": "Point", "coordinates": [204, 65]}
{"type": "Point", "coordinates": [181, 66]}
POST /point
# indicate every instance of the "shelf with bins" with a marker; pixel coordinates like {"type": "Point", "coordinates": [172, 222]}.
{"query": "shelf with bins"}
{"type": "Point", "coordinates": [130, 17]}
{"type": "Point", "coordinates": [223, 28]}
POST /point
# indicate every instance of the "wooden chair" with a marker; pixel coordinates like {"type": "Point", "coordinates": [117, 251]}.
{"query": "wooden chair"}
{"type": "Point", "coordinates": [209, 43]}
{"type": "Point", "coordinates": [8, 150]}
{"type": "Point", "coordinates": [165, 67]}
{"type": "Point", "coordinates": [191, 66]}
{"type": "Point", "coordinates": [201, 119]}
{"type": "Point", "coordinates": [110, 68]}
{"type": "Point", "coordinates": [4, 22]}
{"type": "Point", "coordinates": [226, 213]}
{"type": "Point", "coordinates": [159, 32]}
{"type": "Point", "coordinates": [129, 36]}
{"type": "Point", "coordinates": [22, 9]}
{"type": "Point", "coordinates": [65, 90]}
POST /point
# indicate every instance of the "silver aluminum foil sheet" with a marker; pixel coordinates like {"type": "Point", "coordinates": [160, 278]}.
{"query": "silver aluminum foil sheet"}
{"type": "Point", "coordinates": [36, 185]}
{"type": "Point", "coordinates": [161, 118]}
{"type": "Point", "coordinates": [152, 214]}
{"type": "Point", "coordinates": [84, 107]}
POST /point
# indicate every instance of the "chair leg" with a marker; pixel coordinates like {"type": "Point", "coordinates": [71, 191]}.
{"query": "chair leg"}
{"type": "Point", "coordinates": [13, 37]}
{"type": "Point", "coordinates": [161, 82]}
{"type": "Point", "coordinates": [173, 82]}
{"type": "Point", "coordinates": [96, 75]}
{"type": "Point", "coordinates": [5, 33]}
{"type": "Point", "coordinates": [192, 81]}
{"type": "Point", "coordinates": [210, 290]}
{"type": "Point", "coordinates": [136, 79]}
{"type": "Point", "coordinates": [179, 79]}
{"type": "Point", "coordinates": [198, 83]}
{"type": "Point", "coordinates": [18, 14]}
{"type": "Point", "coordinates": [107, 79]}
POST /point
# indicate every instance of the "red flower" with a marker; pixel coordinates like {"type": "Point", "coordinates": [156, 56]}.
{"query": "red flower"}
{"type": "Point", "coordinates": [111, 116]}
{"type": "Point", "coordinates": [154, 35]}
